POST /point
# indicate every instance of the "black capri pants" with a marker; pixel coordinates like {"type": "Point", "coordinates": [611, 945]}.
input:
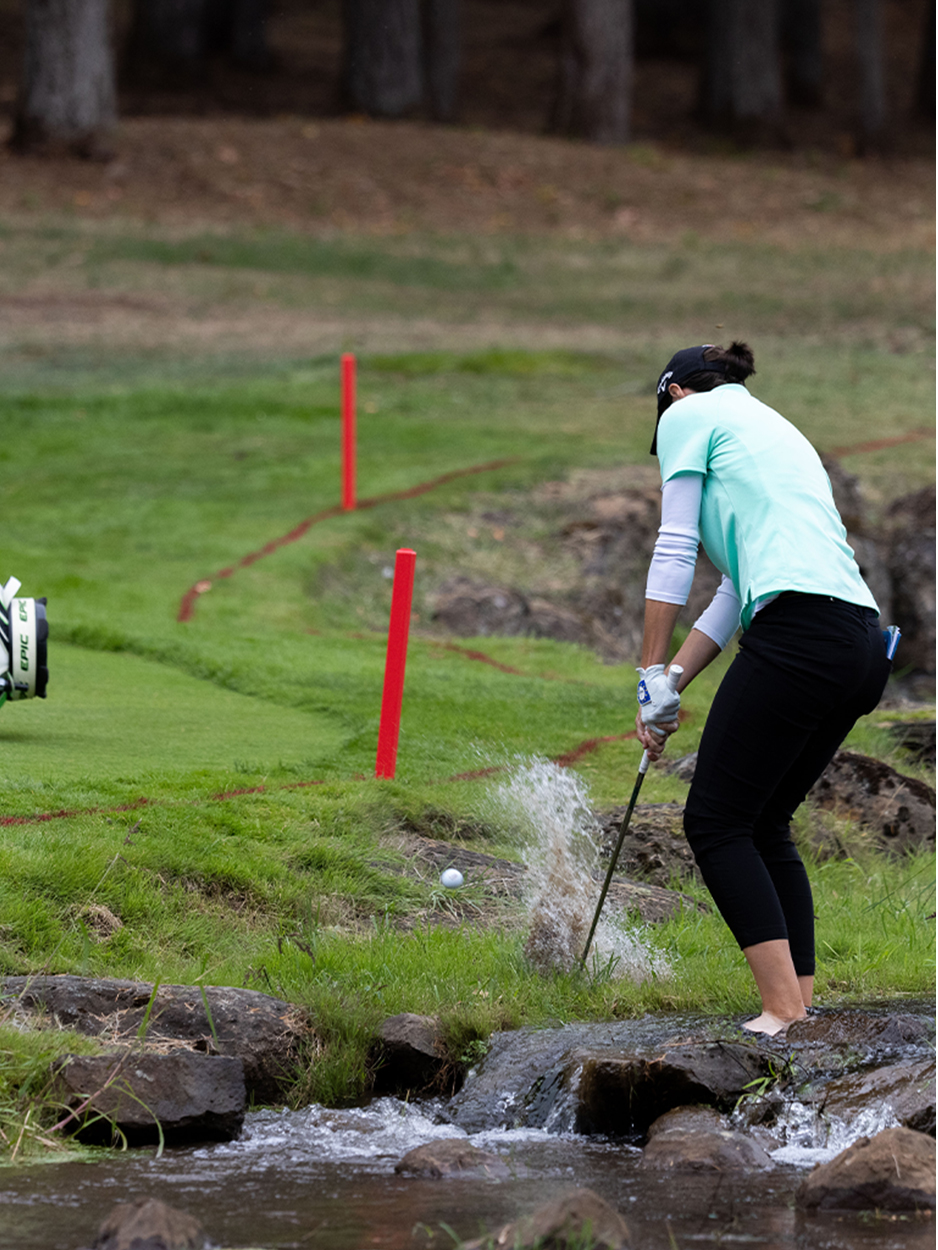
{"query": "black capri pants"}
{"type": "Point", "coordinates": [808, 666]}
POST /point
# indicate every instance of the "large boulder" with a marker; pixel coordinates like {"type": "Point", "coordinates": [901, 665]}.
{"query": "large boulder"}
{"type": "Point", "coordinates": [183, 1096]}
{"type": "Point", "coordinates": [893, 1171]}
{"type": "Point", "coordinates": [575, 1219]}
{"type": "Point", "coordinates": [619, 1094]}
{"type": "Point", "coordinates": [897, 811]}
{"type": "Point", "coordinates": [266, 1034]}
{"type": "Point", "coordinates": [148, 1224]}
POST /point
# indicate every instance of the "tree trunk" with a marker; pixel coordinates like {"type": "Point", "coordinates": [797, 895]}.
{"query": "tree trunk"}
{"type": "Point", "coordinates": [742, 87]}
{"type": "Point", "coordinates": [594, 94]}
{"type": "Point", "coordinates": [382, 73]}
{"type": "Point", "coordinates": [67, 99]}
{"type": "Point", "coordinates": [872, 119]}
{"type": "Point", "coordinates": [238, 28]}
{"type": "Point", "coordinates": [924, 104]}
{"type": "Point", "coordinates": [442, 30]}
{"type": "Point", "coordinates": [169, 33]}
{"type": "Point", "coordinates": [802, 45]}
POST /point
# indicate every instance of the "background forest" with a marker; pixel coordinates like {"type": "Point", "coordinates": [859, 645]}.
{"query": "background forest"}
{"type": "Point", "coordinates": [852, 76]}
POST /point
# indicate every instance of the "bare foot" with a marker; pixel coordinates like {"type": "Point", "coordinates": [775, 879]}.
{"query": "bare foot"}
{"type": "Point", "coordinates": [769, 1024]}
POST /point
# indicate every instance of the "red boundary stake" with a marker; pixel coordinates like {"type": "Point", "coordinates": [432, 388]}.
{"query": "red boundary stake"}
{"type": "Point", "coordinates": [398, 632]}
{"type": "Point", "coordinates": [349, 449]}
{"type": "Point", "coordinates": [191, 597]}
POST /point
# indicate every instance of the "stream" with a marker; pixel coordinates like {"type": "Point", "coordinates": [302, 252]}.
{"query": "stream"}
{"type": "Point", "coordinates": [324, 1178]}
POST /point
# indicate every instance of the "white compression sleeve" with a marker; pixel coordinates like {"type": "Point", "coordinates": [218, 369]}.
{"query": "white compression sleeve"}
{"type": "Point", "coordinates": [671, 571]}
{"type": "Point", "coordinates": [720, 619]}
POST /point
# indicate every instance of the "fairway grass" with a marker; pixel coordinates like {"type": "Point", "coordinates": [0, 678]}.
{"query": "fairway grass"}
{"type": "Point", "coordinates": [210, 782]}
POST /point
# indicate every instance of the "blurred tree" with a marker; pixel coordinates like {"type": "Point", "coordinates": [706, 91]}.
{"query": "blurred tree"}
{"type": "Point", "coordinates": [801, 43]}
{"type": "Point", "coordinates": [741, 88]}
{"type": "Point", "coordinates": [239, 29]}
{"type": "Point", "coordinates": [872, 104]}
{"type": "Point", "coordinates": [594, 91]}
{"type": "Point", "coordinates": [383, 56]}
{"type": "Point", "coordinates": [925, 84]}
{"type": "Point", "coordinates": [178, 35]}
{"type": "Point", "coordinates": [67, 99]}
{"type": "Point", "coordinates": [442, 25]}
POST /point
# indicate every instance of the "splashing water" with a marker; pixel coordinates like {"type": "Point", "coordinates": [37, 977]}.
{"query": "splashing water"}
{"type": "Point", "coordinates": [551, 804]}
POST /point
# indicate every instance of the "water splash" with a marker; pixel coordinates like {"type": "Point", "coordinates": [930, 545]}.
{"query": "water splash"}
{"type": "Point", "coordinates": [550, 805]}
{"type": "Point", "coordinates": [808, 1136]}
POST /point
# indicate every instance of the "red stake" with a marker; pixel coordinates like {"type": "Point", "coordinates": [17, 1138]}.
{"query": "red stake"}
{"type": "Point", "coordinates": [348, 432]}
{"type": "Point", "coordinates": [390, 727]}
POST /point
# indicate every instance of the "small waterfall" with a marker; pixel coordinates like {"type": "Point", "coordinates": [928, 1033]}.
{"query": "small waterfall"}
{"type": "Point", "coordinates": [551, 806]}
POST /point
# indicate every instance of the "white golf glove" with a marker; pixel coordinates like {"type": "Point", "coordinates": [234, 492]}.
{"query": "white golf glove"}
{"type": "Point", "coordinates": [657, 702]}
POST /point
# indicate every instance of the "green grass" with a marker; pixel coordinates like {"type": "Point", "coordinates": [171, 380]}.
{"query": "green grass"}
{"type": "Point", "coordinates": [212, 781]}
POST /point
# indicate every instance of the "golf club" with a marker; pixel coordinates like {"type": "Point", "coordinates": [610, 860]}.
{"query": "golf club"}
{"type": "Point", "coordinates": [674, 676]}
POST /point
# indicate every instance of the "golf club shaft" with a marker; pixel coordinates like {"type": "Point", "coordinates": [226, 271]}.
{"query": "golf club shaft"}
{"type": "Point", "coordinates": [674, 676]}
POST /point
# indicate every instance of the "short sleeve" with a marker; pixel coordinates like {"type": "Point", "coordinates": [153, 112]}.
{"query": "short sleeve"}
{"type": "Point", "coordinates": [684, 437]}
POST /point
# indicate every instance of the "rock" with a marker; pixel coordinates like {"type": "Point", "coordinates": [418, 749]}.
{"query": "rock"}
{"type": "Point", "coordinates": [711, 1150]}
{"type": "Point", "coordinates": [149, 1224]}
{"type": "Point", "coordinates": [451, 1157]}
{"type": "Point", "coordinates": [893, 1171]}
{"type": "Point", "coordinates": [688, 1120]}
{"type": "Point", "coordinates": [831, 1039]}
{"type": "Point", "coordinates": [908, 1089]}
{"type": "Point", "coordinates": [190, 1097]}
{"type": "Point", "coordinates": [898, 811]}
{"type": "Point", "coordinates": [911, 558]}
{"type": "Point", "coordinates": [619, 1094]}
{"type": "Point", "coordinates": [265, 1033]}
{"type": "Point", "coordinates": [471, 609]}
{"type": "Point", "coordinates": [569, 1221]}
{"type": "Point", "coordinates": [409, 1056]}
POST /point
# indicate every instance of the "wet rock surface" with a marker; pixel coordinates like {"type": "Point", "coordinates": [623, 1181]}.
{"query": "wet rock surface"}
{"type": "Point", "coordinates": [907, 1089]}
{"type": "Point", "coordinates": [704, 1150]}
{"type": "Point", "coordinates": [149, 1224]}
{"type": "Point", "coordinates": [185, 1097]}
{"type": "Point", "coordinates": [451, 1157]}
{"type": "Point", "coordinates": [634, 1080]}
{"type": "Point", "coordinates": [409, 1056]}
{"type": "Point", "coordinates": [893, 1171]}
{"type": "Point", "coordinates": [566, 1222]}
{"type": "Point", "coordinates": [264, 1033]}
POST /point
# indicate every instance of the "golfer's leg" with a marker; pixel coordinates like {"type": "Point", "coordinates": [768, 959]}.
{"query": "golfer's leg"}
{"type": "Point", "coordinates": [757, 727]}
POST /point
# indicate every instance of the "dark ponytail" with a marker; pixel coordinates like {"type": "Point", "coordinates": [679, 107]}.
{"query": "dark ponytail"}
{"type": "Point", "coordinates": [733, 364]}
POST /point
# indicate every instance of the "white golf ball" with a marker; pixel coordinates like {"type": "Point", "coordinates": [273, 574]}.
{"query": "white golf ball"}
{"type": "Point", "coordinates": [452, 878]}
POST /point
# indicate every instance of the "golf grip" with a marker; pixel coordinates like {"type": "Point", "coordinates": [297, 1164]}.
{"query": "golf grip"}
{"type": "Point", "coordinates": [675, 673]}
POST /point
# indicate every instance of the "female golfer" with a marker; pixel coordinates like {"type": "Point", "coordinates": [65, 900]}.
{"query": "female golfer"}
{"type": "Point", "coordinates": [742, 480]}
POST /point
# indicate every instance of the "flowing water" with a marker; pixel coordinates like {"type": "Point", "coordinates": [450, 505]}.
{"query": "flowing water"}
{"type": "Point", "coordinates": [325, 1179]}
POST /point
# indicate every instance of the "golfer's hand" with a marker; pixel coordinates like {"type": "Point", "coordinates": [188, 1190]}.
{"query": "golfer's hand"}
{"type": "Point", "coordinates": [654, 743]}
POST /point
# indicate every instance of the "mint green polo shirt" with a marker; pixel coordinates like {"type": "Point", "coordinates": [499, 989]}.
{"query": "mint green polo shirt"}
{"type": "Point", "coordinates": [767, 514]}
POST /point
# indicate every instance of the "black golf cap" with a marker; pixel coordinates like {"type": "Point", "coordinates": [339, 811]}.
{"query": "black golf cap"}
{"type": "Point", "coordinates": [682, 365]}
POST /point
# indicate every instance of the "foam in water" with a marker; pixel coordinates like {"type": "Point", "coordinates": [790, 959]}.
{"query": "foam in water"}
{"type": "Point", "coordinates": [551, 806]}
{"type": "Point", "coordinates": [807, 1136]}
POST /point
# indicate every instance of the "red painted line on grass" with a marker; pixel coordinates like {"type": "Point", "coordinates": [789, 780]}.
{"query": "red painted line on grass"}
{"type": "Point", "coordinates": [191, 597]}
{"type": "Point", "coordinates": [880, 444]}
{"type": "Point", "coordinates": [37, 818]}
